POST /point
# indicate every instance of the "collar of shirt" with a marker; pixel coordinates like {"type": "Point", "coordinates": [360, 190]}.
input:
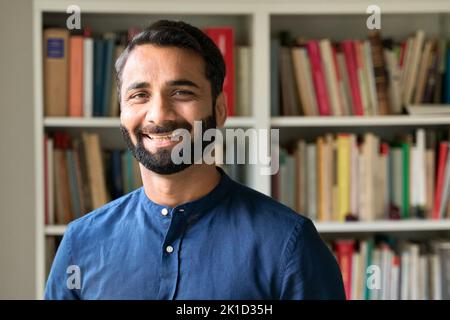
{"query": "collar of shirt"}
{"type": "Point", "coordinates": [189, 211]}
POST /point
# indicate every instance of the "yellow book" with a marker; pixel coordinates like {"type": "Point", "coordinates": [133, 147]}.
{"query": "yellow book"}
{"type": "Point", "coordinates": [343, 175]}
{"type": "Point", "coordinates": [320, 180]}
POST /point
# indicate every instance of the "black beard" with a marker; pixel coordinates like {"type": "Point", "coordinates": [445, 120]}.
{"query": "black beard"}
{"type": "Point", "coordinates": [161, 162]}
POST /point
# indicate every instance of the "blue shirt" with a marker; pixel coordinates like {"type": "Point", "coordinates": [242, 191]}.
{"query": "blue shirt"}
{"type": "Point", "coordinates": [233, 243]}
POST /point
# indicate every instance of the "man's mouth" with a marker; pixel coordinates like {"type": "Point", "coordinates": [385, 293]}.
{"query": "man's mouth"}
{"type": "Point", "coordinates": [161, 137]}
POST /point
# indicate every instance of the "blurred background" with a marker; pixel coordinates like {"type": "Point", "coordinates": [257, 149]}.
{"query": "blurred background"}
{"type": "Point", "coordinates": [359, 91]}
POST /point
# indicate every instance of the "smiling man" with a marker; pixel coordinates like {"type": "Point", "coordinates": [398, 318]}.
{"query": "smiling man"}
{"type": "Point", "coordinates": [190, 232]}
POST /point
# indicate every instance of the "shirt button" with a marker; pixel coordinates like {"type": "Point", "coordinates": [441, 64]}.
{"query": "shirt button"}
{"type": "Point", "coordinates": [169, 249]}
{"type": "Point", "coordinates": [164, 212]}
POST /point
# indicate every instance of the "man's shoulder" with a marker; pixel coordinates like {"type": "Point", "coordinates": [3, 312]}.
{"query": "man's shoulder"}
{"type": "Point", "coordinates": [266, 208]}
{"type": "Point", "coordinates": [105, 215]}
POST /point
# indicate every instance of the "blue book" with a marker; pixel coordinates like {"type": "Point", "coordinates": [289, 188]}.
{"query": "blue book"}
{"type": "Point", "coordinates": [98, 77]}
{"type": "Point", "coordinates": [108, 53]}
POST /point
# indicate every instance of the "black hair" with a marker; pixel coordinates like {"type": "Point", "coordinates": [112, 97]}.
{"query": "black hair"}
{"type": "Point", "coordinates": [166, 33]}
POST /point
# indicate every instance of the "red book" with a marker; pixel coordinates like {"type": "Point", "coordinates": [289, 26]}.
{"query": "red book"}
{"type": "Point", "coordinates": [76, 76]}
{"type": "Point", "coordinates": [403, 48]}
{"type": "Point", "coordinates": [318, 78]}
{"type": "Point", "coordinates": [344, 255]}
{"type": "Point", "coordinates": [443, 154]}
{"type": "Point", "coordinates": [224, 39]}
{"type": "Point", "coordinates": [351, 63]}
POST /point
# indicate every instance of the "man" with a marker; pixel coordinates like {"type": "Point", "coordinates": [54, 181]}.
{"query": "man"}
{"type": "Point", "coordinates": [190, 232]}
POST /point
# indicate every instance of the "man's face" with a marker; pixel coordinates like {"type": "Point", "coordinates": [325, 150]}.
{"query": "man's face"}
{"type": "Point", "coordinates": [163, 89]}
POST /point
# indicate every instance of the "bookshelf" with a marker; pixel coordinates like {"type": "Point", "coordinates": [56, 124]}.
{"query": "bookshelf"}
{"type": "Point", "coordinates": [256, 22]}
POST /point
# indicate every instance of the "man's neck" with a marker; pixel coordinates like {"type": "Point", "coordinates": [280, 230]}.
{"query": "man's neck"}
{"type": "Point", "coordinates": [187, 185]}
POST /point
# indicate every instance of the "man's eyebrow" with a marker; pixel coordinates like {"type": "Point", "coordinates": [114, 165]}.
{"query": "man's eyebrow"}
{"type": "Point", "coordinates": [138, 85]}
{"type": "Point", "coordinates": [182, 82]}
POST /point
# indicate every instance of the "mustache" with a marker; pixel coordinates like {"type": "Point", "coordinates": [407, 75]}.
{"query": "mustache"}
{"type": "Point", "coordinates": [164, 127]}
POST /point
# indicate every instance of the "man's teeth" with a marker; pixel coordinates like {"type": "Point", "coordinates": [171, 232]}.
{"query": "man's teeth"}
{"type": "Point", "coordinates": [166, 137]}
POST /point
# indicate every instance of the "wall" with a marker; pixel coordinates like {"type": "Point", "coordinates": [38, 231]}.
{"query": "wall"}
{"type": "Point", "coordinates": [17, 192]}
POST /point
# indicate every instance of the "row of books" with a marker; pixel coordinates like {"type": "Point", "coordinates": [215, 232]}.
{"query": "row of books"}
{"type": "Point", "coordinates": [79, 176]}
{"type": "Point", "coordinates": [79, 76]}
{"type": "Point", "coordinates": [345, 177]}
{"type": "Point", "coordinates": [357, 77]}
{"type": "Point", "coordinates": [374, 269]}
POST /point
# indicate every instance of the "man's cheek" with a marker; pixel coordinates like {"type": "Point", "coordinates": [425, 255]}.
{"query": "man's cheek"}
{"type": "Point", "coordinates": [130, 121]}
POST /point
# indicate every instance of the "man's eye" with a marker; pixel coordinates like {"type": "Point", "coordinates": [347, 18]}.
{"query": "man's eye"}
{"type": "Point", "coordinates": [182, 93]}
{"type": "Point", "coordinates": [140, 95]}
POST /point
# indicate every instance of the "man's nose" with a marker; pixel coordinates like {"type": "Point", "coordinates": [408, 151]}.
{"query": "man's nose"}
{"type": "Point", "coordinates": [159, 109]}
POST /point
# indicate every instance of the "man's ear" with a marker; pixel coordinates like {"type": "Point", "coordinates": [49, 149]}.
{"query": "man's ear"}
{"type": "Point", "coordinates": [221, 110]}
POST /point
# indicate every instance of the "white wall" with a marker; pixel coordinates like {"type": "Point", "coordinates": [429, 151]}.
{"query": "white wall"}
{"type": "Point", "coordinates": [17, 250]}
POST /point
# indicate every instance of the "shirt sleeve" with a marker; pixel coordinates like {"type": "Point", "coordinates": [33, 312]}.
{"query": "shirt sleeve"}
{"type": "Point", "coordinates": [310, 270]}
{"type": "Point", "coordinates": [61, 284]}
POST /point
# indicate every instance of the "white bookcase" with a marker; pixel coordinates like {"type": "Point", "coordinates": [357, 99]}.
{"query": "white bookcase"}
{"type": "Point", "coordinates": [255, 22]}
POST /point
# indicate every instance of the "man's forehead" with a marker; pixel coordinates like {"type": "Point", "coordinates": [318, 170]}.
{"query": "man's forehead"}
{"type": "Point", "coordinates": [164, 61]}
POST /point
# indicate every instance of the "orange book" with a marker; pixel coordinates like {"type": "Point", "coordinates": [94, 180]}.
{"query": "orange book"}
{"type": "Point", "coordinates": [344, 254]}
{"type": "Point", "coordinates": [76, 76]}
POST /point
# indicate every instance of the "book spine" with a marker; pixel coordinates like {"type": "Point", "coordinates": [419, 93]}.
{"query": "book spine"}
{"type": "Point", "coordinates": [318, 78]}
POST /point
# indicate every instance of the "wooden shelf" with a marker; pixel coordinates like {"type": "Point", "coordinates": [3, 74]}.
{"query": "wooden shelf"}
{"type": "Point", "coordinates": [383, 226]}
{"type": "Point", "coordinates": [354, 121]}
{"type": "Point", "coordinates": [104, 122]}
{"type": "Point", "coordinates": [339, 227]}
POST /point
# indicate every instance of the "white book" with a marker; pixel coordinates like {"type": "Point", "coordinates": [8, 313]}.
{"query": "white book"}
{"type": "Point", "coordinates": [405, 271]}
{"type": "Point", "coordinates": [423, 278]}
{"type": "Point", "coordinates": [50, 184]}
{"type": "Point", "coordinates": [88, 76]}
{"type": "Point", "coordinates": [394, 281]}
{"type": "Point", "coordinates": [428, 110]}
{"type": "Point", "coordinates": [436, 279]}
{"type": "Point", "coordinates": [356, 260]}
{"type": "Point", "coordinates": [330, 76]}
{"type": "Point", "coordinates": [414, 274]}
{"type": "Point", "coordinates": [386, 258]}
{"type": "Point", "coordinates": [395, 98]}
{"type": "Point", "coordinates": [411, 78]}
{"type": "Point", "coordinates": [421, 191]}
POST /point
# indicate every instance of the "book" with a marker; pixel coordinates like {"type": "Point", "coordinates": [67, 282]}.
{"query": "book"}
{"type": "Point", "coordinates": [223, 37]}
{"type": "Point", "coordinates": [76, 67]}
{"type": "Point", "coordinates": [56, 41]}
